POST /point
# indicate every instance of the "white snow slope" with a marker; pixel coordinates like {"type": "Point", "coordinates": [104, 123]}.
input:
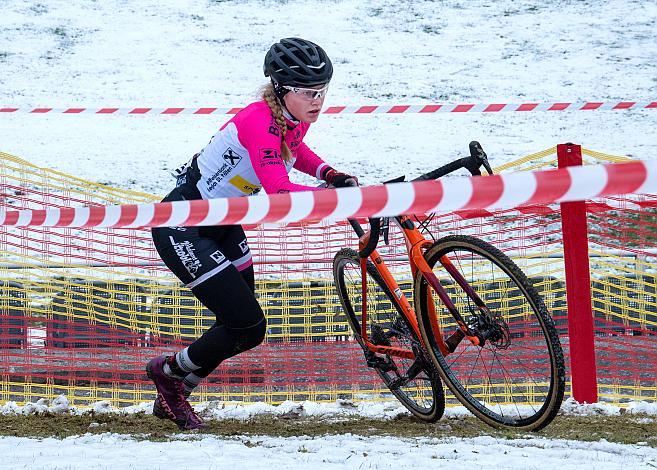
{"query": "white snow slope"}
{"type": "Point", "coordinates": [209, 53]}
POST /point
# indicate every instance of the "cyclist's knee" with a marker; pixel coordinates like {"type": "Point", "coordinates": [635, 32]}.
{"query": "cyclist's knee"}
{"type": "Point", "coordinates": [249, 337]}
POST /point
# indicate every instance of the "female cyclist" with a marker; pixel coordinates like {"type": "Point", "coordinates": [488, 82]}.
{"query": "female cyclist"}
{"type": "Point", "coordinates": [253, 150]}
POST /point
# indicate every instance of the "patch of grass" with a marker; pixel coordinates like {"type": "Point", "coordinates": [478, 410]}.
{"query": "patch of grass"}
{"type": "Point", "coordinates": [59, 31]}
{"type": "Point", "coordinates": [39, 9]}
{"type": "Point", "coordinates": [65, 39]}
{"type": "Point", "coordinates": [217, 41]}
{"type": "Point", "coordinates": [429, 29]}
{"type": "Point", "coordinates": [624, 429]}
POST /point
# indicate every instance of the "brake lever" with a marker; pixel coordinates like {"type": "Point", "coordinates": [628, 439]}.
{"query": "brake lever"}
{"type": "Point", "coordinates": [479, 156]}
{"type": "Point", "coordinates": [385, 229]}
{"type": "Point", "coordinates": [375, 231]}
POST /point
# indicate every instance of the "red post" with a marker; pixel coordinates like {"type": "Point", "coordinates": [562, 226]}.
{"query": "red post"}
{"type": "Point", "coordinates": [578, 288]}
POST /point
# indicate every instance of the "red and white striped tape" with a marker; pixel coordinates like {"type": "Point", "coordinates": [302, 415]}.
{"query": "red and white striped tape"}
{"type": "Point", "coordinates": [366, 109]}
{"type": "Point", "coordinates": [451, 194]}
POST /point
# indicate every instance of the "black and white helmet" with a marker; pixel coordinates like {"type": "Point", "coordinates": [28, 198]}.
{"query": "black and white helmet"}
{"type": "Point", "coordinates": [297, 62]}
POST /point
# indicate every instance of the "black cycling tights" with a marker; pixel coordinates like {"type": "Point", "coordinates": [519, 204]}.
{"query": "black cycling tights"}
{"type": "Point", "coordinates": [207, 259]}
{"type": "Point", "coordinates": [240, 323]}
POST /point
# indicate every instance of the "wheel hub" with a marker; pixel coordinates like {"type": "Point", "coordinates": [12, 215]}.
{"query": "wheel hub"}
{"type": "Point", "coordinates": [493, 328]}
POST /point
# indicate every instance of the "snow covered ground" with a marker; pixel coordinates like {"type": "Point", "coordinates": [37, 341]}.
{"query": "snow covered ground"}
{"type": "Point", "coordinates": [198, 451]}
{"type": "Point", "coordinates": [192, 53]}
{"type": "Point", "coordinates": [112, 451]}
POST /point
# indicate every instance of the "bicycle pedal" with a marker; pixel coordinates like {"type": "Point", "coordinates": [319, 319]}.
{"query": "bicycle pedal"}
{"type": "Point", "coordinates": [376, 362]}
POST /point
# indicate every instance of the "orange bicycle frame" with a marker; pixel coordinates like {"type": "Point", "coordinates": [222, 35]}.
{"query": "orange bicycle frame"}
{"type": "Point", "coordinates": [416, 244]}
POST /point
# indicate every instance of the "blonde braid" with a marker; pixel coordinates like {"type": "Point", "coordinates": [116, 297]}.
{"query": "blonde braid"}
{"type": "Point", "coordinates": [277, 112]}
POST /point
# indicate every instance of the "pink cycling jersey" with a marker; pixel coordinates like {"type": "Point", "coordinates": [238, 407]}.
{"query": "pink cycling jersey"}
{"type": "Point", "coordinates": [245, 155]}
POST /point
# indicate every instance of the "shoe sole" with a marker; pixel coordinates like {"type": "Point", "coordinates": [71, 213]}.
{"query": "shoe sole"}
{"type": "Point", "coordinates": [160, 413]}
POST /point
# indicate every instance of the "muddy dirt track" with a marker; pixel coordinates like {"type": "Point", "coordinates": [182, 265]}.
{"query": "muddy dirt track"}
{"type": "Point", "coordinates": [626, 428]}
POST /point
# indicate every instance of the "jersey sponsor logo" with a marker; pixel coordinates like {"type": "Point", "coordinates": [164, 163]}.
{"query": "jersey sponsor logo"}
{"type": "Point", "coordinates": [218, 175]}
{"type": "Point", "coordinates": [181, 180]}
{"type": "Point", "coordinates": [295, 141]}
{"type": "Point", "coordinates": [273, 129]}
{"type": "Point", "coordinates": [269, 157]}
{"type": "Point", "coordinates": [218, 257]}
{"type": "Point", "coordinates": [180, 170]}
{"type": "Point", "coordinates": [244, 185]}
{"type": "Point", "coordinates": [244, 246]}
{"type": "Point", "coordinates": [232, 157]}
{"type": "Point", "coordinates": [185, 252]}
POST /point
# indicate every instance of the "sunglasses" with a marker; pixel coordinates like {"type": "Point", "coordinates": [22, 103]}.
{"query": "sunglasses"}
{"type": "Point", "coordinates": [308, 93]}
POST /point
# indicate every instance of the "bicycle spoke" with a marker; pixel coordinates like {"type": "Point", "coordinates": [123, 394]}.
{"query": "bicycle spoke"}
{"type": "Point", "coordinates": [528, 376]}
{"type": "Point", "coordinates": [483, 363]}
{"type": "Point", "coordinates": [510, 385]}
{"type": "Point", "coordinates": [472, 369]}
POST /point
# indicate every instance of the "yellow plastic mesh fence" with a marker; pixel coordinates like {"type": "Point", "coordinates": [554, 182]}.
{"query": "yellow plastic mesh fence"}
{"type": "Point", "coordinates": [82, 310]}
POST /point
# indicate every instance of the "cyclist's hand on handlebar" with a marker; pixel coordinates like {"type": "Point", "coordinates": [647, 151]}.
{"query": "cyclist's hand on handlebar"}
{"type": "Point", "coordinates": [336, 179]}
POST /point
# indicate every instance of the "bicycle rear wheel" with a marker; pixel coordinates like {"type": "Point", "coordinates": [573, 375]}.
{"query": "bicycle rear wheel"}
{"type": "Point", "coordinates": [415, 383]}
{"type": "Point", "coordinates": [516, 378]}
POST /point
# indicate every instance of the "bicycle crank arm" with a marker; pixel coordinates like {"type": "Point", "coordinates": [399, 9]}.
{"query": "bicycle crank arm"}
{"type": "Point", "coordinates": [413, 371]}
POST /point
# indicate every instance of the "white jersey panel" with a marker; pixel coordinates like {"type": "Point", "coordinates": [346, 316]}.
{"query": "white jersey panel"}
{"type": "Point", "coordinates": [225, 167]}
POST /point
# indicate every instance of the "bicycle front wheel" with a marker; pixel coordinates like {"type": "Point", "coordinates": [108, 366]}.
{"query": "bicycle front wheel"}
{"type": "Point", "coordinates": [414, 382]}
{"type": "Point", "coordinates": [516, 378]}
